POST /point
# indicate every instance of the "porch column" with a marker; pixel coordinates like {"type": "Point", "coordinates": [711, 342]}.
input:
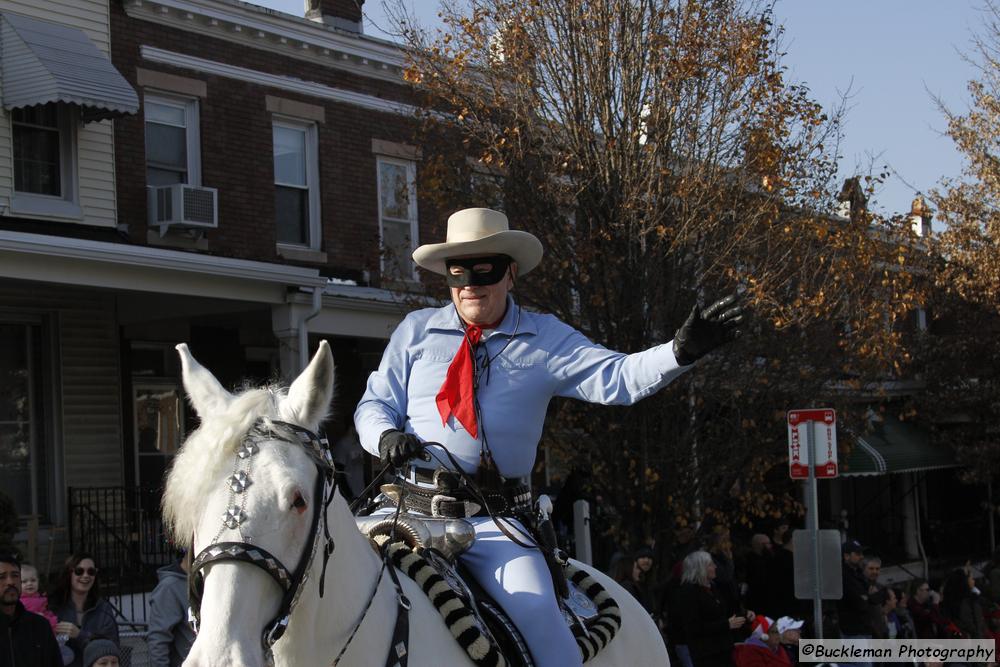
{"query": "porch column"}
{"type": "Point", "coordinates": [284, 323]}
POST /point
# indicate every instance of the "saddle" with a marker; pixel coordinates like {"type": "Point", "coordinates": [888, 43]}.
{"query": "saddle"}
{"type": "Point", "coordinates": [428, 553]}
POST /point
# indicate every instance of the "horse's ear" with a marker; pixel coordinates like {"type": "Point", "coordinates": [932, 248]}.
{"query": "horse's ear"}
{"type": "Point", "coordinates": [206, 394]}
{"type": "Point", "coordinates": [309, 396]}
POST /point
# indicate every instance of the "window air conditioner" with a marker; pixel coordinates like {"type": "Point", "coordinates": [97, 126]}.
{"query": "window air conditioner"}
{"type": "Point", "coordinates": [182, 205]}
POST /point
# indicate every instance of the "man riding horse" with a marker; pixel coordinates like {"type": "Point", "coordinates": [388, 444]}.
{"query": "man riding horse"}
{"type": "Point", "coordinates": [470, 383]}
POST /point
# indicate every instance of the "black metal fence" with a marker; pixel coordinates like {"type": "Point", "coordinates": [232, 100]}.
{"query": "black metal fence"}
{"type": "Point", "coordinates": [121, 527]}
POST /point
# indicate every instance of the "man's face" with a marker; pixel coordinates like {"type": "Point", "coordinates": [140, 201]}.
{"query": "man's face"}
{"type": "Point", "coordinates": [872, 568]}
{"type": "Point", "coordinates": [482, 304]}
{"type": "Point", "coordinates": [645, 563]}
{"type": "Point", "coordinates": [922, 593]}
{"type": "Point", "coordinates": [10, 587]}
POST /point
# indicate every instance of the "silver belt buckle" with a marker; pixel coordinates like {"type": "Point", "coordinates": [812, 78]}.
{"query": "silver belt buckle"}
{"type": "Point", "coordinates": [469, 508]}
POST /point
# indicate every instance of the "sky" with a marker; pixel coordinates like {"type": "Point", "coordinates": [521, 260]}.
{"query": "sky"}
{"type": "Point", "coordinates": [891, 57]}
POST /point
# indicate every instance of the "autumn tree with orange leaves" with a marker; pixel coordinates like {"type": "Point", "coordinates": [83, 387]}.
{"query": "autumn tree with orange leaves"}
{"type": "Point", "coordinates": [662, 156]}
{"type": "Point", "coordinates": [961, 362]}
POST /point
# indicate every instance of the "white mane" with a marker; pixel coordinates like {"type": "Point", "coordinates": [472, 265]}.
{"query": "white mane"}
{"type": "Point", "coordinates": [207, 453]}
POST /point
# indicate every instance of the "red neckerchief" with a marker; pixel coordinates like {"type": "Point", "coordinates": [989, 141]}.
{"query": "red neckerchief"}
{"type": "Point", "coordinates": [456, 395]}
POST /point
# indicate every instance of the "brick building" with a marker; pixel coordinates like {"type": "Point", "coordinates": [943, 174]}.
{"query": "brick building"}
{"type": "Point", "coordinates": [258, 195]}
{"type": "Point", "coordinates": [299, 132]}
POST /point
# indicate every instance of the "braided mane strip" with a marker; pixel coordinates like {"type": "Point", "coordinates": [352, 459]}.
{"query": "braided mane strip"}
{"type": "Point", "coordinates": [461, 621]}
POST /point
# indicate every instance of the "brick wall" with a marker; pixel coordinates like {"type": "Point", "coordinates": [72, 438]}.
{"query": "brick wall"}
{"type": "Point", "coordinates": [236, 149]}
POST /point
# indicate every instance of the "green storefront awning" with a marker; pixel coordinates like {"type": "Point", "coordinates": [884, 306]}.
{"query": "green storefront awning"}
{"type": "Point", "coordinates": [893, 446]}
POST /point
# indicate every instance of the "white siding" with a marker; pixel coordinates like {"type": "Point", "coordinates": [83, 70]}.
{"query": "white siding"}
{"type": "Point", "coordinates": [89, 384]}
{"type": "Point", "coordinates": [6, 159]}
{"type": "Point", "coordinates": [95, 141]}
{"type": "Point", "coordinates": [96, 173]}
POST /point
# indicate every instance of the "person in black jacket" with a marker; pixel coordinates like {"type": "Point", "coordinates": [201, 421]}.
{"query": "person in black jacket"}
{"type": "Point", "coordinates": [853, 609]}
{"type": "Point", "coordinates": [781, 600]}
{"type": "Point", "coordinates": [25, 638]}
{"type": "Point", "coordinates": [758, 566]}
{"type": "Point", "coordinates": [706, 619]}
{"type": "Point", "coordinates": [632, 577]}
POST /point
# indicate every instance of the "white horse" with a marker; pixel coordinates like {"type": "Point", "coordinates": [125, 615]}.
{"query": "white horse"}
{"type": "Point", "coordinates": [275, 512]}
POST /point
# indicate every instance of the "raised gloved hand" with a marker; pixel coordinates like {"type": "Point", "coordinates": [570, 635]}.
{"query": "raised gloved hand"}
{"type": "Point", "coordinates": [397, 448]}
{"type": "Point", "coordinates": [707, 328]}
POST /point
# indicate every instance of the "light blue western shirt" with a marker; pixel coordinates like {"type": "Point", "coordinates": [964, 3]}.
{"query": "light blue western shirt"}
{"type": "Point", "coordinates": [533, 357]}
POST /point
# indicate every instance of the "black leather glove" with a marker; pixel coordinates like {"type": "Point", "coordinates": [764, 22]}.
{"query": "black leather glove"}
{"type": "Point", "coordinates": [397, 448]}
{"type": "Point", "coordinates": [707, 328]}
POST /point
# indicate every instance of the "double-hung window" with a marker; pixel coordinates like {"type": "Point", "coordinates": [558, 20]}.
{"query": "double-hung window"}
{"type": "Point", "coordinates": [44, 151]}
{"type": "Point", "coordinates": [397, 193]}
{"type": "Point", "coordinates": [296, 183]}
{"type": "Point", "coordinates": [173, 147]}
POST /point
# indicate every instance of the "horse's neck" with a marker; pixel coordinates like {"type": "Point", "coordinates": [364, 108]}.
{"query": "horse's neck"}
{"type": "Point", "coordinates": [322, 625]}
{"type": "Point", "coordinates": [354, 565]}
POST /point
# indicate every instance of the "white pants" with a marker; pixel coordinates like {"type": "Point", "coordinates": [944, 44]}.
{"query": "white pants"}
{"type": "Point", "coordinates": [520, 581]}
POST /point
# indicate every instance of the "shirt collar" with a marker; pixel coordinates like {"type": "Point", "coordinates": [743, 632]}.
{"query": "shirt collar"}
{"type": "Point", "coordinates": [446, 319]}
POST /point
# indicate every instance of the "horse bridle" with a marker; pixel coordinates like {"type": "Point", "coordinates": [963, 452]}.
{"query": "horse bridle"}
{"type": "Point", "coordinates": [318, 450]}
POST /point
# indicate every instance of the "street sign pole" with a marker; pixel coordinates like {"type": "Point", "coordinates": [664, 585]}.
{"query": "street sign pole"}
{"type": "Point", "coordinates": [813, 520]}
{"type": "Point", "coordinates": [804, 463]}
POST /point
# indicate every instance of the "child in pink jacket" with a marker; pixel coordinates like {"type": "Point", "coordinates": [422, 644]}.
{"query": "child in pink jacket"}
{"type": "Point", "coordinates": [32, 600]}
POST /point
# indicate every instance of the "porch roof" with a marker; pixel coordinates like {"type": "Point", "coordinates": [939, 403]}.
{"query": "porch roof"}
{"type": "Point", "coordinates": [137, 268]}
{"type": "Point", "coordinates": [895, 447]}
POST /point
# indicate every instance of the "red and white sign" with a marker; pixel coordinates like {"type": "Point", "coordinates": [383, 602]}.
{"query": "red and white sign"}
{"type": "Point", "coordinates": [823, 422]}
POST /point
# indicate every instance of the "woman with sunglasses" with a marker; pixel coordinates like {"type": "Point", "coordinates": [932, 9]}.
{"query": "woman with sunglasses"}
{"type": "Point", "coordinates": [77, 602]}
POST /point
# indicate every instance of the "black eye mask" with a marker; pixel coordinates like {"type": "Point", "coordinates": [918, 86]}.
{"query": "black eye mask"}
{"type": "Point", "coordinates": [498, 268]}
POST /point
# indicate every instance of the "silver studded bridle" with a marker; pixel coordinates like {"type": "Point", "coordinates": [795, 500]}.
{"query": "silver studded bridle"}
{"type": "Point", "coordinates": [291, 583]}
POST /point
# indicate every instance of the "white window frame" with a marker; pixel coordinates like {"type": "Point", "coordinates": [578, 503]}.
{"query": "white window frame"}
{"type": "Point", "coordinates": [414, 218]}
{"type": "Point", "coordinates": [312, 177]}
{"type": "Point", "coordinates": [192, 121]}
{"type": "Point", "coordinates": [67, 204]}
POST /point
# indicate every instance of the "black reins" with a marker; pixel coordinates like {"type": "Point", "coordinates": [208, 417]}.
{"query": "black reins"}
{"type": "Point", "coordinates": [291, 585]}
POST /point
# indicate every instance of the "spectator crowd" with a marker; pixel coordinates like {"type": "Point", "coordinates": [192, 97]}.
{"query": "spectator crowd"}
{"type": "Point", "coordinates": [715, 605]}
{"type": "Point", "coordinates": [719, 605]}
{"type": "Point", "coordinates": [74, 626]}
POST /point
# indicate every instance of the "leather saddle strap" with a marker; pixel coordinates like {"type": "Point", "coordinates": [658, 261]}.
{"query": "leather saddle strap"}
{"type": "Point", "coordinates": [399, 649]}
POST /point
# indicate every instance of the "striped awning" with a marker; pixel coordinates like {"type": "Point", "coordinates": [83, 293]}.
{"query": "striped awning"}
{"type": "Point", "coordinates": [47, 62]}
{"type": "Point", "coordinates": [893, 446]}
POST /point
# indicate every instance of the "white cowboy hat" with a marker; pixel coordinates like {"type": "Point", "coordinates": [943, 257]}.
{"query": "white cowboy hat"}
{"type": "Point", "coordinates": [480, 231]}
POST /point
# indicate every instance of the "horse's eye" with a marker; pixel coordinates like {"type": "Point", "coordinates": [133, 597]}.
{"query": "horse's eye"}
{"type": "Point", "coordinates": [299, 503]}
